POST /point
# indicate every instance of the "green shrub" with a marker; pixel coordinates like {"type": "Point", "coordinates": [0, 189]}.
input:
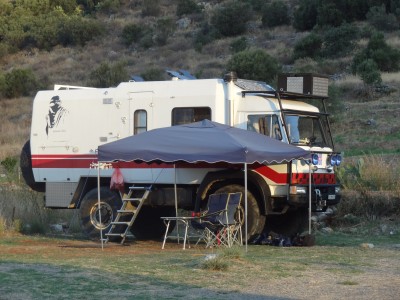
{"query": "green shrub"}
{"type": "Point", "coordinates": [369, 72]}
{"type": "Point", "coordinates": [68, 6]}
{"type": "Point", "coordinates": [108, 6]}
{"type": "Point", "coordinates": [254, 64]}
{"type": "Point", "coordinates": [151, 8]}
{"type": "Point", "coordinates": [107, 75]}
{"type": "Point", "coordinates": [165, 27]}
{"type": "Point", "coordinates": [305, 16]}
{"type": "Point", "coordinates": [153, 74]}
{"type": "Point", "coordinates": [132, 33]}
{"type": "Point", "coordinates": [386, 57]}
{"type": "Point", "coordinates": [187, 7]}
{"type": "Point", "coordinates": [20, 82]}
{"type": "Point", "coordinates": [204, 36]}
{"type": "Point", "coordinates": [339, 41]}
{"type": "Point", "coordinates": [239, 45]}
{"type": "Point", "coordinates": [231, 19]}
{"type": "Point", "coordinates": [381, 20]}
{"type": "Point", "coordinates": [309, 46]}
{"type": "Point", "coordinates": [77, 31]}
{"type": "Point", "coordinates": [9, 164]}
{"type": "Point", "coordinates": [88, 6]}
{"type": "Point", "coordinates": [275, 14]}
{"type": "Point", "coordinates": [256, 5]}
{"type": "Point", "coordinates": [329, 15]}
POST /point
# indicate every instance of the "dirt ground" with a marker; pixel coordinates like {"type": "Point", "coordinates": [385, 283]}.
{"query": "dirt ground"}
{"type": "Point", "coordinates": [376, 276]}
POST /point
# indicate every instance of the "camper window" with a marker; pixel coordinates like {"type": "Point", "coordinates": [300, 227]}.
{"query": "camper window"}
{"type": "Point", "coordinates": [186, 115]}
{"type": "Point", "coordinates": [140, 121]}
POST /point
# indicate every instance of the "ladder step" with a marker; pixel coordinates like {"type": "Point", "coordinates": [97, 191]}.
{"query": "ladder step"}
{"type": "Point", "coordinates": [114, 234]}
{"type": "Point", "coordinates": [123, 211]}
{"type": "Point", "coordinates": [139, 187]}
{"type": "Point", "coordinates": [132, 199]}
{"type": "Point", "coordinates": [120, 223]}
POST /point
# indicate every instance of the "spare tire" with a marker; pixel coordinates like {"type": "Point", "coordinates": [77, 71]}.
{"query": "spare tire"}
{"type": "Point", "coordinates": [25, 164]}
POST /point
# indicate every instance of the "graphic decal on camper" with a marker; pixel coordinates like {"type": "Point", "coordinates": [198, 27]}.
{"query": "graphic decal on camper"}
{"type": "Point", "coordinates": [56, 114]}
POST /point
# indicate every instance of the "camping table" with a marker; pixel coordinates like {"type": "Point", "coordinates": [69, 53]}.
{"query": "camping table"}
{"type": "Point", "coordinates": [185, 221]}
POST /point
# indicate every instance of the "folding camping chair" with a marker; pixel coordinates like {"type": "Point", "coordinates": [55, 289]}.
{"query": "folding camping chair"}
{"type": "Point", "coordinates": [231, 231]}
{"type": "Point", "coordinates": [220, 224]}
{"type": "Point", "coordinates": [208, 221]}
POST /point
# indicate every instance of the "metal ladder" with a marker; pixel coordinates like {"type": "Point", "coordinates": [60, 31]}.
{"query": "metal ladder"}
{"type": "Point", "coordinates": [124, 211]}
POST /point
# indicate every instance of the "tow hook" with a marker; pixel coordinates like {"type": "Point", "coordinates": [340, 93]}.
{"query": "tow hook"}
{"type": "Point", "coordinates": [320, 204]}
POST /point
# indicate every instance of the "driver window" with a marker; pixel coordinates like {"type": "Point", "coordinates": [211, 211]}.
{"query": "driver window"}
{"type": "Point", "coordinates": [265, 124]}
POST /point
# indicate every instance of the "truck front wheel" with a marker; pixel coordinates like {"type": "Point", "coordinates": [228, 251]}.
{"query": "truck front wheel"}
{"type": "Point", "coordinates": [90, 219]}
{"type": "Point", "coordinates": [255, 221]}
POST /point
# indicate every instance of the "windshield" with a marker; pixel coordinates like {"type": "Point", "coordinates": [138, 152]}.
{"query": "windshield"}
{"type": "Point", "coordinates": [308, 130]}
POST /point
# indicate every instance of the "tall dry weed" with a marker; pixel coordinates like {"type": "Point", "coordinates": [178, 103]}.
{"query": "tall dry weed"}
{"type": "Point", "coordinates": [371, 187]}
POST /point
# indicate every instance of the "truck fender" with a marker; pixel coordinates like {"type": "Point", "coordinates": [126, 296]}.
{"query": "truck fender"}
{"type": "Point", "coordinates": [213, 180]}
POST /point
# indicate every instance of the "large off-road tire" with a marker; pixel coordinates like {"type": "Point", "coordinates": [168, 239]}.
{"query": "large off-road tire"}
{"type": "Point", "coordinates": [255, 220]}
{"type": "Point", "coordinates": [289, 224]}
{"type": "Point", "coordinates": [149, 225]}
{"type": "Point", "coordinates": [25, 164]}
{"type": "Point", "coordinates": [110, 202]}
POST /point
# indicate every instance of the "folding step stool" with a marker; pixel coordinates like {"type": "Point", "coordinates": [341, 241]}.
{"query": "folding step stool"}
{"type": "Point", "coordinates": [124, 211]}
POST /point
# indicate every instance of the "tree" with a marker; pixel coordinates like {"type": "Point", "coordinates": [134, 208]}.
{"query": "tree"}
{"type": "Point", "coordinates": [309, 46]}
{"type": "Point", "coordinates": [305, 16]}
{"type": "Point", "coordinates": [255, 65]}
{"type": "Point", "coordinates": [381, 20]}
{"type": "Point", "coordinates": [231, 19]}
{"type": "Point", "coordinates": [107, 75]}
{"type": "Point", "coordinates": [339, 41]}
{"type": "Point", "coordinates": [369, 73]}
{"type": "Point", "coordinates": [275, 14]}
{"type": "Point", "coordinates": [20, 82]}
{"type": "Point", "coordinates": [329, 15]}
{"type": "Point", "coordinates": [187, 7]}
{"type": "Point", "coordinates": [386, 57]}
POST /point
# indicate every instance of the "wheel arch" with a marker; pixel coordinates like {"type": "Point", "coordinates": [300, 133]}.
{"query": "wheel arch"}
{"type": "Point", "coordinates": [255, 183]}
{"type": "Point", "coordinates": [85, 185]}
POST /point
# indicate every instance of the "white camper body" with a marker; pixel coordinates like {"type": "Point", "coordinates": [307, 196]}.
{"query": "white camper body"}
{"type": "Point", "coordinates": [69, 123]}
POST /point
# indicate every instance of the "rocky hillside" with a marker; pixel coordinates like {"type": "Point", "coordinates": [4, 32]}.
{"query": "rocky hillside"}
{"type": "Point", "coordinates": [364, 120]}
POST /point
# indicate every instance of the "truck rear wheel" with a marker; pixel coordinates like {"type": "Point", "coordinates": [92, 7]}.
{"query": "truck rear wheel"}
{"type": "Point", "coordinates": [90, 221]}
{"type": "Point", "coordinates": [25, 164]}
{"type": "Point", "coordinates": [149, 225]}
{"type": "Point", "coordinates": [255, 221]}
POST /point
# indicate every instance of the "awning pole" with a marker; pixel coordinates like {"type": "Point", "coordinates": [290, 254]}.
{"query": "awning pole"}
{"type": "Point", "coordinates": [176, 203]}
{"type": "Point", "coordinates": [309, 198]}
{"type": "Point", "coordinates": [98, 203]}
{"type": "Point", "coordinates": [245, 202]}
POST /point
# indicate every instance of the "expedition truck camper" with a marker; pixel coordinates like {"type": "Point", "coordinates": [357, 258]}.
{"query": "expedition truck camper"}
{"type": "Point", "coordinates": [69, 123]}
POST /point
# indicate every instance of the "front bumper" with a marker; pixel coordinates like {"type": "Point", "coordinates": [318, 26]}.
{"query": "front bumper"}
{"type": "Point", "coordinates": [322, 196]}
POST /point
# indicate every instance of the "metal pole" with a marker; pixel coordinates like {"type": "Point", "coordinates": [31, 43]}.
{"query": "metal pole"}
{"type": "Point", "coordinates": [98, 203]}
{"type": "Point", "coordinates": [309, 198]}
{"type": "Point", "coordinates": [245, 202]}
{"type": "Point", "coordinates": [176, 203]}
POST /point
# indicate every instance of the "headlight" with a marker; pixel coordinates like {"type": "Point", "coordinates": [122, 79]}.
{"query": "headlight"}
{"type": "Point", "coordinates": [335, 160]}
{"type": "Point", "coordinates": [314, 159]}
{"type": "Point", "coordinates": [338, 160]}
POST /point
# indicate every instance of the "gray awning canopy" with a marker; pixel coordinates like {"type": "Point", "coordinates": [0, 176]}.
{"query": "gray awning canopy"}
{"type": "Point", "coordinates": [203, 141]}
